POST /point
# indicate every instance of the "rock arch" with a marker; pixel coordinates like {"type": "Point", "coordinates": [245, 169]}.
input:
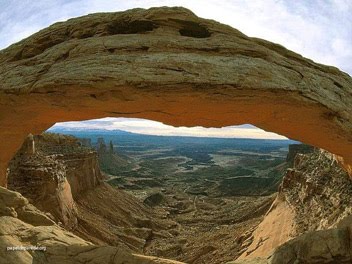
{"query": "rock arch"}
{"type": "Point", "coordinates": [168, 65]}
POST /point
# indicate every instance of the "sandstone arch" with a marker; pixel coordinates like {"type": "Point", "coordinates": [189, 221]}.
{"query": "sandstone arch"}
{"type": "Point", "coordinates": [167, 64]}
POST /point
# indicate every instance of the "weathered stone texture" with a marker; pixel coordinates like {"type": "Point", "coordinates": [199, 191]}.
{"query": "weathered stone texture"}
{"type": "Point", "coordinates": [310, 221]}
{"type": "Point", "coordinates": [22, 224]}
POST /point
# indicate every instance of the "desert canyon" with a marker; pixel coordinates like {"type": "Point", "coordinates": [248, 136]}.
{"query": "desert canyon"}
{"type": "Point", "coordinates": [169, 65]}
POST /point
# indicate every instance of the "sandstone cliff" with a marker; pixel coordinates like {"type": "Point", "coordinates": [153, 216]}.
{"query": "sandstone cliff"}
{"type": "Point", "coordinates": [110, 161]}
{"type": "Point", "coordinates": [82, 167]}
{"type": "Point", "coordinates": [319, 190]}
{"type": "Point", "coordinates": [295, 149]}
{"type": "Point", "coordinates": [315, 194]}
{"type": "Point", "coordinates": [62, 178]}
{"type": "Point", "coordinates": [51, 171]}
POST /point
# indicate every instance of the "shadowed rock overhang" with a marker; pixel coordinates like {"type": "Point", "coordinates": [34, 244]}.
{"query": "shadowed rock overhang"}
{"type": "Point", "coordinates": [167, 64]}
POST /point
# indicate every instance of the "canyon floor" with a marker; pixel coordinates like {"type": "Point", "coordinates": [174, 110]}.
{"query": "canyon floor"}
{"type": "Point", "coordinates": [209, 194]}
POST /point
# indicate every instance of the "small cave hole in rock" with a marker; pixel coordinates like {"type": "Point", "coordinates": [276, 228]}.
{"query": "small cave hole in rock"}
{"type": "Point", "coordinates": [194, 30]}
{"type": "Point", "coordinates": [192, 194]}
{"type": "Point", "coordinates": [130, 27]}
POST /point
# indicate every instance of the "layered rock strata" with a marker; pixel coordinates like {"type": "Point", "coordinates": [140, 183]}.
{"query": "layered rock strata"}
{"type": "Point", "coordinates": [27, 235]}
{"type": "Point", "coordinates": [312, 212]}
{"type": "Point", "coordinates": [63, 179]}
{"type": "Point", "coordinates": [319, 190]}
{"type": "Point", "coordinates": [51, 171]}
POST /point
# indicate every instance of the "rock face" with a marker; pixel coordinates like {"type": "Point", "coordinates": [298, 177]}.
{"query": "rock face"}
{"type": "Point", "coordinates": [42, 179]}
{"type": "Point", "coordinates": [313, 208]}
{"type": "Point", "coordinates": [53, 173]}
{"type": "Point", "coordinates": [111, 162]}
{"type": "Point", "coordinates": [277, 227]}
{"type": "Point", "coordinates": [82, 167]}
{"type": "Point", "coordinates": [63, 178]}
{"type": "Point", "coordinates": [295, 149]}
{"type": "Point", "coordinates": [319, 190]}
{"type": "Point", "coordinates": [167, 64]}
{"type": "Point", "coordinates": [23, 225]}
{"type": "Point", "coordinates": [324, 246]}
{"type": "Point", "coordinates": [108, 216]}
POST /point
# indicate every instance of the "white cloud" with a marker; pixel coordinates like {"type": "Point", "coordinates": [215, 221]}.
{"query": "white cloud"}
{"type": "Point", "coordinates": [149, 127]}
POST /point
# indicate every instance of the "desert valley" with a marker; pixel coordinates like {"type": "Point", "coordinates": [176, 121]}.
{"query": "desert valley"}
{"type": "Point", "coordinates": [188, 199]}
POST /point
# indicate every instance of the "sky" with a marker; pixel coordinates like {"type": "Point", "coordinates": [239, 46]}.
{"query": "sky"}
{"type": "Point", "coordinates": [149, 127]}
{"type": "Point", "coordinates": [318, 29]}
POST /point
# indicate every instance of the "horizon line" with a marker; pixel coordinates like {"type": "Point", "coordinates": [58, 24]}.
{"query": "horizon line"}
{"type": "Point", "coordinates": [53, 128]}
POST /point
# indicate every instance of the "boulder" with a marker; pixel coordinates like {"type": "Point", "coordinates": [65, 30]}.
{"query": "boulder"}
{"type": "Point", "coordinates": [324, 246]}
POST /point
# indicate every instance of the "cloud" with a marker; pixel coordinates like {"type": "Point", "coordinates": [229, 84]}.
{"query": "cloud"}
{"type": "Point", "coordinates": [149, 127]}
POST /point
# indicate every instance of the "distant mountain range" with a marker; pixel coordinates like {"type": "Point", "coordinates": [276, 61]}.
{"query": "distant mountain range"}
{"type": "Point", "coordinates": [122, 135]}
{"type": "Point", "coordinates": [69, 130]}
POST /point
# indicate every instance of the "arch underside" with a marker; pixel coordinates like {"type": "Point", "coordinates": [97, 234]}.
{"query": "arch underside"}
{"type": "Point", "coordinates": [168, 65]}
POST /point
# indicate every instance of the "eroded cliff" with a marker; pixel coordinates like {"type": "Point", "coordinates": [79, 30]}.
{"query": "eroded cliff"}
{"type": "Point", "coordinates": [24, 228]}
{"type": "Point", "coordinates": [312, 212]}
{"type": "Point", "coordinates": [62, 178]}
{"type": "Point", "coordinates": [51, 171]}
